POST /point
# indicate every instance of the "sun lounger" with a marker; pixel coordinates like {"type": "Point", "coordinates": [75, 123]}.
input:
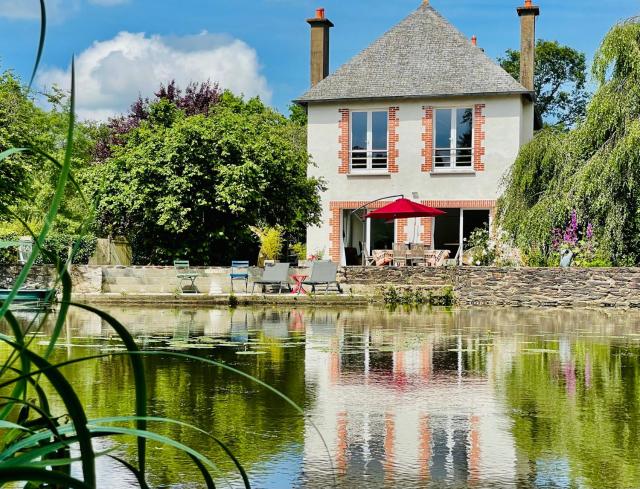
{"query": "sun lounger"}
{"type": "Point", "coordinates": [323, 273]}
{"type": "Point", "coordinates": [276, 274]}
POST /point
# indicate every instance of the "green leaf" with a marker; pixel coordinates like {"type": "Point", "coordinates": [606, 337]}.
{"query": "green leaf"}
{"type": "Point", "coordinates": [16, 474]}
{"type": "Point", "coordinates": [43, 32]}
{"type": "Point", "coordinates": [139, 377]}
{"type": "Point", "coordinates": [73, 405]}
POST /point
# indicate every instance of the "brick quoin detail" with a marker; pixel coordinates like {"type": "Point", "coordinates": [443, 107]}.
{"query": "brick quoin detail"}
{"type": "Point", "coordinates": [343, 140]}
{"type": "Point", "coordinates": [394, 138]}
{"type": "Point", "coordinates": [401, 230]}
{"type": "Point", "coordinates": [426, 231]}
{"type": "Point", "coordinates": [427, 138]}
{"type": "Point", "coordinates": [478, 137]}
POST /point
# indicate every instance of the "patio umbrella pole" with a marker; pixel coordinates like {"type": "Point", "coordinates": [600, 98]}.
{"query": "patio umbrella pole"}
{"type": "Point", "coordinates": [364, 221]}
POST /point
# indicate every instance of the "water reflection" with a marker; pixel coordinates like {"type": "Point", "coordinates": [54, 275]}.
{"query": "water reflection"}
{"type": "Point", "coordinates": [464, 398]}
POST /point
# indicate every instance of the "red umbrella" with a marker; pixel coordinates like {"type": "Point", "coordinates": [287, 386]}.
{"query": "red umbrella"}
{"type": "Point", "coordinates": [404, 209]}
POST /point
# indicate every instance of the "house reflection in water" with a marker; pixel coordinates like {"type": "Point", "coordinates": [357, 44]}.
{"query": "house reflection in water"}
{"type": "Point", "coordinates": [462, 398]}
{"type": "Point", "coordinates": [396, 408]}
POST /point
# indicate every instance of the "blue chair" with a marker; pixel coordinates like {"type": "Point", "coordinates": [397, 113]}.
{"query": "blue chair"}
{"type": "Point", "coordinates": [240, 271]}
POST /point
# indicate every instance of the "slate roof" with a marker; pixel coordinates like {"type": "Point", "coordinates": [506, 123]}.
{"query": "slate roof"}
{"type": "Point", "coordinates": [423, 56]}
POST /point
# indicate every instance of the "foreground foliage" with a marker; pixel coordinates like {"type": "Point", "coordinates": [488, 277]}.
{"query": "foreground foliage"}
{"type": "Point", "coordinates": [41, 415]}
{"type": "Point", "coordinates": [594, 169]}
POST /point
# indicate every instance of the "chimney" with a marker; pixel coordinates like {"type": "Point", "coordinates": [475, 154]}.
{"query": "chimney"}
{"type": "Point", "coordinates": [528, 15]}
{"type": "Point", "coordinates": [319, 46]}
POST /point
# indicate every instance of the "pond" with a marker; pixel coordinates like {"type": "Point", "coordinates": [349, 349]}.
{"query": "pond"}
{"type": "Point", "coordinates": [477, 398]}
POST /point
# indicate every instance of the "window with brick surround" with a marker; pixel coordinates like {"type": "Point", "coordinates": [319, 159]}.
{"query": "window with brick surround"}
{"type": "Point", "coordinates": [453, 139]}
{"type": "Point", "coordinates": [369, 140]}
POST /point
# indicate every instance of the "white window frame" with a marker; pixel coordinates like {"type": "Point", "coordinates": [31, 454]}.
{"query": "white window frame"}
{"type": "Point", "coordinates": [369, 168]}
{"type": "Point", "coordinates": [453, 165]}
{"type": "Point", "coordinates": [460, 229]}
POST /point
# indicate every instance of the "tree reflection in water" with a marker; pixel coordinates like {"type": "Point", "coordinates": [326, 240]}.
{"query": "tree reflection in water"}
{"type": "Point", "coordinates": [417, 398]}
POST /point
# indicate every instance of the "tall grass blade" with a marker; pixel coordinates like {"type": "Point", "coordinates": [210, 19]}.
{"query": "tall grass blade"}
{"type": "Point", "coordinates": [73, 406]}
{"type": "Point", "coordinates": [55, 202]}
{"type": "Point", "coordinates": [30, 474]}
{"type": "Point", "coordinates": [42, 396]}
{"type": "Point", "coordinates": [133, 470]}
{"type": "Point", "coordinates": [197, 359]}
{"type": "Point", "coordinates": [205, 473]}
{"type": "Point", "coordinates": [46, 419]}
{"type": "Point", "coordinates": [43, 34]}
{"type": "Point", "coordinates": [139, 378]}
{"type": "Point", "coordinates": [21, 386]}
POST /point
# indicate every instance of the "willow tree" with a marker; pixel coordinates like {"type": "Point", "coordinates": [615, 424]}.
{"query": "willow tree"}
{"type": "Point", "coordinates": [593, 169]}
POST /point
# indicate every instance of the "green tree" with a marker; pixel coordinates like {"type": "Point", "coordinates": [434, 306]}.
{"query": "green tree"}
{"type": "Point", "coordinates": [594, 168]}
{"type": "Point", "coordinates": [192, 186]}
{"type": "Point", "coordinates": [21, 123]}
{"type": "Point", "coordinates": [560, 80]}
{"type": "Point", "coordinates": [27, 182]}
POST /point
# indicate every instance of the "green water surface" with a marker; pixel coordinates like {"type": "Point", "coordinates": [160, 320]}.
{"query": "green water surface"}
{"type": "Point", "coordinates": [476, 398]}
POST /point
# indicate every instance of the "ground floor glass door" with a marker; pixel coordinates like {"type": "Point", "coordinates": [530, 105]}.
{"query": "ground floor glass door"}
{"type": "Point", "coordinates": [382, 234]}
{"type": "Point", "coordinates": [446, 233]}
{"type": "Point", "coordinates": [454, 228]}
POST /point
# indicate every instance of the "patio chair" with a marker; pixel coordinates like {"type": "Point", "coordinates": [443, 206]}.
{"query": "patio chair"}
{"type": "Point", "coordinates": [323, 273]}
{"type": "Point", "coordinates": [400, 251]}
{"type": "Point", "coordinates": [416, 254]}
{"type": "Point", "coordinates": [367, 259]}
{"type": "Point", "coordinates": [184, 273]}
{"type": "Point", "coordinates": [276, 274]}
{"type": "Point", "coordinates": [240, 271]}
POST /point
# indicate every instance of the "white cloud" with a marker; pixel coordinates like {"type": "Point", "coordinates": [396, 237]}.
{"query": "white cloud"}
{"type": "Point", "coordinates": [111, 74]}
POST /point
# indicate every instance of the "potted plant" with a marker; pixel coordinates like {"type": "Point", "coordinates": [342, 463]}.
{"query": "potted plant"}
{"type": "Point", "coordinates": [271, 244]}
{"type": "Point", "coordinates": [300, 251]}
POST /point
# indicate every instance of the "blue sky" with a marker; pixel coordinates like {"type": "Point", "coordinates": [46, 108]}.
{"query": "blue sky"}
{"type": "Point", "coordinates": [254, 46]}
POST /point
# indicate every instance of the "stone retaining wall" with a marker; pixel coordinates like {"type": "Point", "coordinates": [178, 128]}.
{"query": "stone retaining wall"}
{"type": "Point", "coordinates": [598, 287]}
{"type": "Point", "coordinates": [86, 280]}
{"type": "Point", "coordinates": [551, 287]}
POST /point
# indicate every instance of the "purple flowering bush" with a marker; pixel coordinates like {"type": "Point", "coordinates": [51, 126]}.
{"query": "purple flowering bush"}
{"type": "Point", "coordinates": [577, 237]}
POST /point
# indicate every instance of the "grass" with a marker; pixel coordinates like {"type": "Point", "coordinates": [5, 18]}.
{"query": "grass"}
{"type": "Point", "coordinates": [35, 443]}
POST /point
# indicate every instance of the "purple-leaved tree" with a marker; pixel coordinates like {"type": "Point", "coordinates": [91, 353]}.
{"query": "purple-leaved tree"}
{"type": "Point", "coordinates": [197, 98]}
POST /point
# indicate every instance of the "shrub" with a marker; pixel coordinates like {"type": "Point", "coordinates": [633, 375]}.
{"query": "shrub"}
{"type": "Point", "coordinates": [300, 250]}
{"type": "Point", "coordinates": [271, 243]}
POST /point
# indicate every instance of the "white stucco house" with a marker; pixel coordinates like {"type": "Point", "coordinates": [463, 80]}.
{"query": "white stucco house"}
{"type": "Point", "coordinates": [422, 112]}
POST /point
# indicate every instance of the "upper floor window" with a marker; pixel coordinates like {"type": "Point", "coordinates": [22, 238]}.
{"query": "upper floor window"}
{"type": "Point", "coordinates": [369, 150]}
{"type": "Point", "coordinates": [453, 138]}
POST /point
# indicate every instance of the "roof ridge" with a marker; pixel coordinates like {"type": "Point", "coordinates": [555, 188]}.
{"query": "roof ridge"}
{"type": "Point", "coordinates": [423, 55]}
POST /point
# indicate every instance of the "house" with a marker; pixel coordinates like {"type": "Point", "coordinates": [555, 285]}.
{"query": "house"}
{"type": "Point", "coordinates": [424, 113]}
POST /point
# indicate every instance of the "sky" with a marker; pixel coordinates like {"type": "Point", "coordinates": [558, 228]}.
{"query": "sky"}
{"type": "Point", "coordinates": [256, 47]}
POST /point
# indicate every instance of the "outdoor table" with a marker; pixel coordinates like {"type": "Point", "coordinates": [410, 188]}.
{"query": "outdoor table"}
{"type": "Point", "coordinates": [385, 256]}
{"type": "Point", "coordinates": [298, 278]}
